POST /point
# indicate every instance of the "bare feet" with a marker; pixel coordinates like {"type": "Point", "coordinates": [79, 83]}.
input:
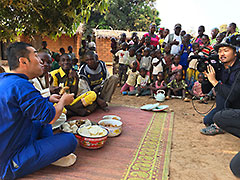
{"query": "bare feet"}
{"type": "Point", "coordinates": [66, 161]}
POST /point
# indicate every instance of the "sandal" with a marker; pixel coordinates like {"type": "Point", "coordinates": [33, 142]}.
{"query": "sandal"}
{"type": "Point", "coordinates": [211, 130]}
{"type": "Point", "coordinates": [167, 98]}
{"type": "Point", "coordinates": [186, 100]}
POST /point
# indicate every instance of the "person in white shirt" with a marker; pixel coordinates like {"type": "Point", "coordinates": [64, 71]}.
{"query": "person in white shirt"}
{"type": "Point", "coordinates": [42, 83]}
{"type": "Point", "coordinates": [158, 64]}
{"type": "Point", "coordinates": [174, 39]}
{"type": "Point", "coordinates": [123, 63]}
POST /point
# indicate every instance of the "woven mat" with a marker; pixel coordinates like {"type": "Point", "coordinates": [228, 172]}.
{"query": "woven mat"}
{"type": "Point", "coordinates": [142, 151]}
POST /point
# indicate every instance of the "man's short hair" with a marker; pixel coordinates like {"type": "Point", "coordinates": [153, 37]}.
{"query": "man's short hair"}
{"type": "Point", "coordinates": [233, 25]}
{"type": "Point", "coordinates": [93, 54]}
{"type": "Point", "coordinates": [15, 51]}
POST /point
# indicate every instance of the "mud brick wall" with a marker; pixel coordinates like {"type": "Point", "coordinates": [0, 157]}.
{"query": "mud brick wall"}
{"type": "Point", "coordinates": [54, 45]}
{"type": "Point", "coordinates": [103, 49]}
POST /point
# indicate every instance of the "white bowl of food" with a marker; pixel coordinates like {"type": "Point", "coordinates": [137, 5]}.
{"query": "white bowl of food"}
{"type": "Point", "coordinates": [113, 117]}
{"type": "Point", "coordinates": [92, 137]}
{"type": "Point", "coordinates": [113, 126]}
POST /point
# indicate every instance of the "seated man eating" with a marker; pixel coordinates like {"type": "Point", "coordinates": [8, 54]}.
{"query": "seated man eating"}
{"type": "Point", "coordinates": [27, 140]}
{"type": "Point", "coordinates": [68, 80]}
{"type": "Point", "coordinates": [42, 83]}
{"type": "Point", "coordinates": [95, 77]}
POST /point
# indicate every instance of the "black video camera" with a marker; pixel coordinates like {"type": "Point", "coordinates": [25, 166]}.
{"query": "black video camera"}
{"type": "Point", "coordinates": [203, 62]}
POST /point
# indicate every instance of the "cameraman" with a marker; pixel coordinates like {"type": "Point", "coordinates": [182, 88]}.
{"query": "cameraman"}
{"type": "Point", "coordinates": [223, 81]}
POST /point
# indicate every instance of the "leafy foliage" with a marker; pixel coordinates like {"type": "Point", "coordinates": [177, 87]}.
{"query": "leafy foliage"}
{"type": "Point", "coordinates": [134, 15]}
{"type": "Point", "coordinates": [45, 17]}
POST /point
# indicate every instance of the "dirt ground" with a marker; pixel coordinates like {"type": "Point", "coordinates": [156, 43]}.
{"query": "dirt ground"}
{"type": "Point", "coordinates": [193, 156]}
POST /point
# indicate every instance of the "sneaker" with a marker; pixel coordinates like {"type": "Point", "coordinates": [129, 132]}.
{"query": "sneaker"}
{"type": "Point", "coordinates": [186, 100]}
{"type": "Point", "coordinates": [212, 130]}
{"type": "Point", "coordinates": [137, 95]}
{"type": "Point", "coordinates": [66, 161]}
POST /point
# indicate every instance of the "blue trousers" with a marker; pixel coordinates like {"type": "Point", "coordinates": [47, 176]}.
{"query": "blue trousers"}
{"type": "Point", "coordinates": [43, 149]}
{"type": "Point", "coordinates": [208, 119]}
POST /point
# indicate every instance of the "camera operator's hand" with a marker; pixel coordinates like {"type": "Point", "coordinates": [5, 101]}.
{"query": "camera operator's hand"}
{"type": "Point", "coordinates": [210, 74]}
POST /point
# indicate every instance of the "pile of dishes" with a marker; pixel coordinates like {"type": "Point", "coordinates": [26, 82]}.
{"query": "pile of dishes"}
{"type": "Point", "coordinates": [72, 126]}
{"type": "Point", "coordinates": [154, 107]}
{"type": "Point", "coordinates": [93, 135]}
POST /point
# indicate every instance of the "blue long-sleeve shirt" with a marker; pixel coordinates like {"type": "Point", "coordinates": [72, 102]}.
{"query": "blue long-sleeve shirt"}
{"type": "Point", "coordinates": [20, 104]}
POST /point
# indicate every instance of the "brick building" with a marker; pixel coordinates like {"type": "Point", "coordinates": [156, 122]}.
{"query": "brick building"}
{"type": "Point", "coordinates": [103, 41]}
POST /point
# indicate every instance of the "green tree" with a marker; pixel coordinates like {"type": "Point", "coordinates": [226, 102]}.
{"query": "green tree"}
{"type": "Point", "coordinates": [45, 17]}
{"type": "Point", "coordinates": [130, 15]}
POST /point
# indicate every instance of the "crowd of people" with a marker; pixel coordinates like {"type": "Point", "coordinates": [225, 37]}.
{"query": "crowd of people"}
{"type": "Point", "coordinates": [185, 66]}
{"type": "Point", "coordinates": [141, 66]}
{"type": "Point", "coordinates": [164, 61]}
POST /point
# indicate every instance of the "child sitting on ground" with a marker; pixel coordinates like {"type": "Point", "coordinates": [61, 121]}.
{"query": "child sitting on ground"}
{"type": "Point", "coordinates": [175, 67]}
{"type": "Point", "coordinates": [177, 87]}
{"type": "Point", "coordinates": [159, 84]}
{"type": "Point", "coordinates": [123, 63]}
{"type": "Point", "coordinates": [197, 87]}
{"type": "Point", "coordinates": [143, 82]}
{"type": "Point", "coordinates": [158, 64]}
{"type": "Point", "coordinates": [192, 72]}
{"type": "Point", "coordinates": [131, 80]}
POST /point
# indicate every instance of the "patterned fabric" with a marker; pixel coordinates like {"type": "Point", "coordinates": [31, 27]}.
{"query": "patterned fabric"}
{"type": "Point", "coordinates": [197, 40]}
{"type": "Point", "coordinates": [207, 51]}
{"type": "Point", "coordinates": [60, 77]}
{"type": "Point", "coordinates": [94, 77]}
{"type": "Point", "coordinates": [154, 40]}
{"type": "Point", "coordinates": [177, 84]}
{"type": "Point", "coordinates": [143, 81]}
{"type": "Point", "coordinates": [123, 56]}
{"type": "Point", "coordinates": [159, 86]}
{"type": "Point", "coordinates": [197, 89]}
{"type": "Point", "coordinates": [132, 77]}
{"type": "Point", "coordinates": [191, 77]}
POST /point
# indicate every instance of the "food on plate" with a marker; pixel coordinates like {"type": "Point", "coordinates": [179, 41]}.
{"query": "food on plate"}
{"type": "Point", "coordinates": [108, 124]}
{"type": "Point", "coordinates": [92, 131]}
{"type": "Point", "coordinates": [72, 126]}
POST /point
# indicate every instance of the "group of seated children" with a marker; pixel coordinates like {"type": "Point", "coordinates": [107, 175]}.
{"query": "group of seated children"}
{"type": "Point", "coordinates": [146, 74]}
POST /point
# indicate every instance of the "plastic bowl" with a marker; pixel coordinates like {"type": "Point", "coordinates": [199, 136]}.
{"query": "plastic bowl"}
{"type": "Point", "coordinates": [113, 126]}
{"type": "Point", "coordinates": [113, 117]}
{"type": "Point", "coordinates": [91, 142]}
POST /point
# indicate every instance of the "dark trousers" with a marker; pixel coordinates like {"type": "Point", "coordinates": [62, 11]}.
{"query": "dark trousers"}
{"type": "Point", "coordinates": [229, 120]}
{"type": "Point", "coordinates": [122, 72]}
{"type": "Point", "coordinates": [208, 119]}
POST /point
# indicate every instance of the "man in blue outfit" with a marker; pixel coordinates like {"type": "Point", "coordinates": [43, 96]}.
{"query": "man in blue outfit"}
{"type": "Point", "coordinates": [27, 142]}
